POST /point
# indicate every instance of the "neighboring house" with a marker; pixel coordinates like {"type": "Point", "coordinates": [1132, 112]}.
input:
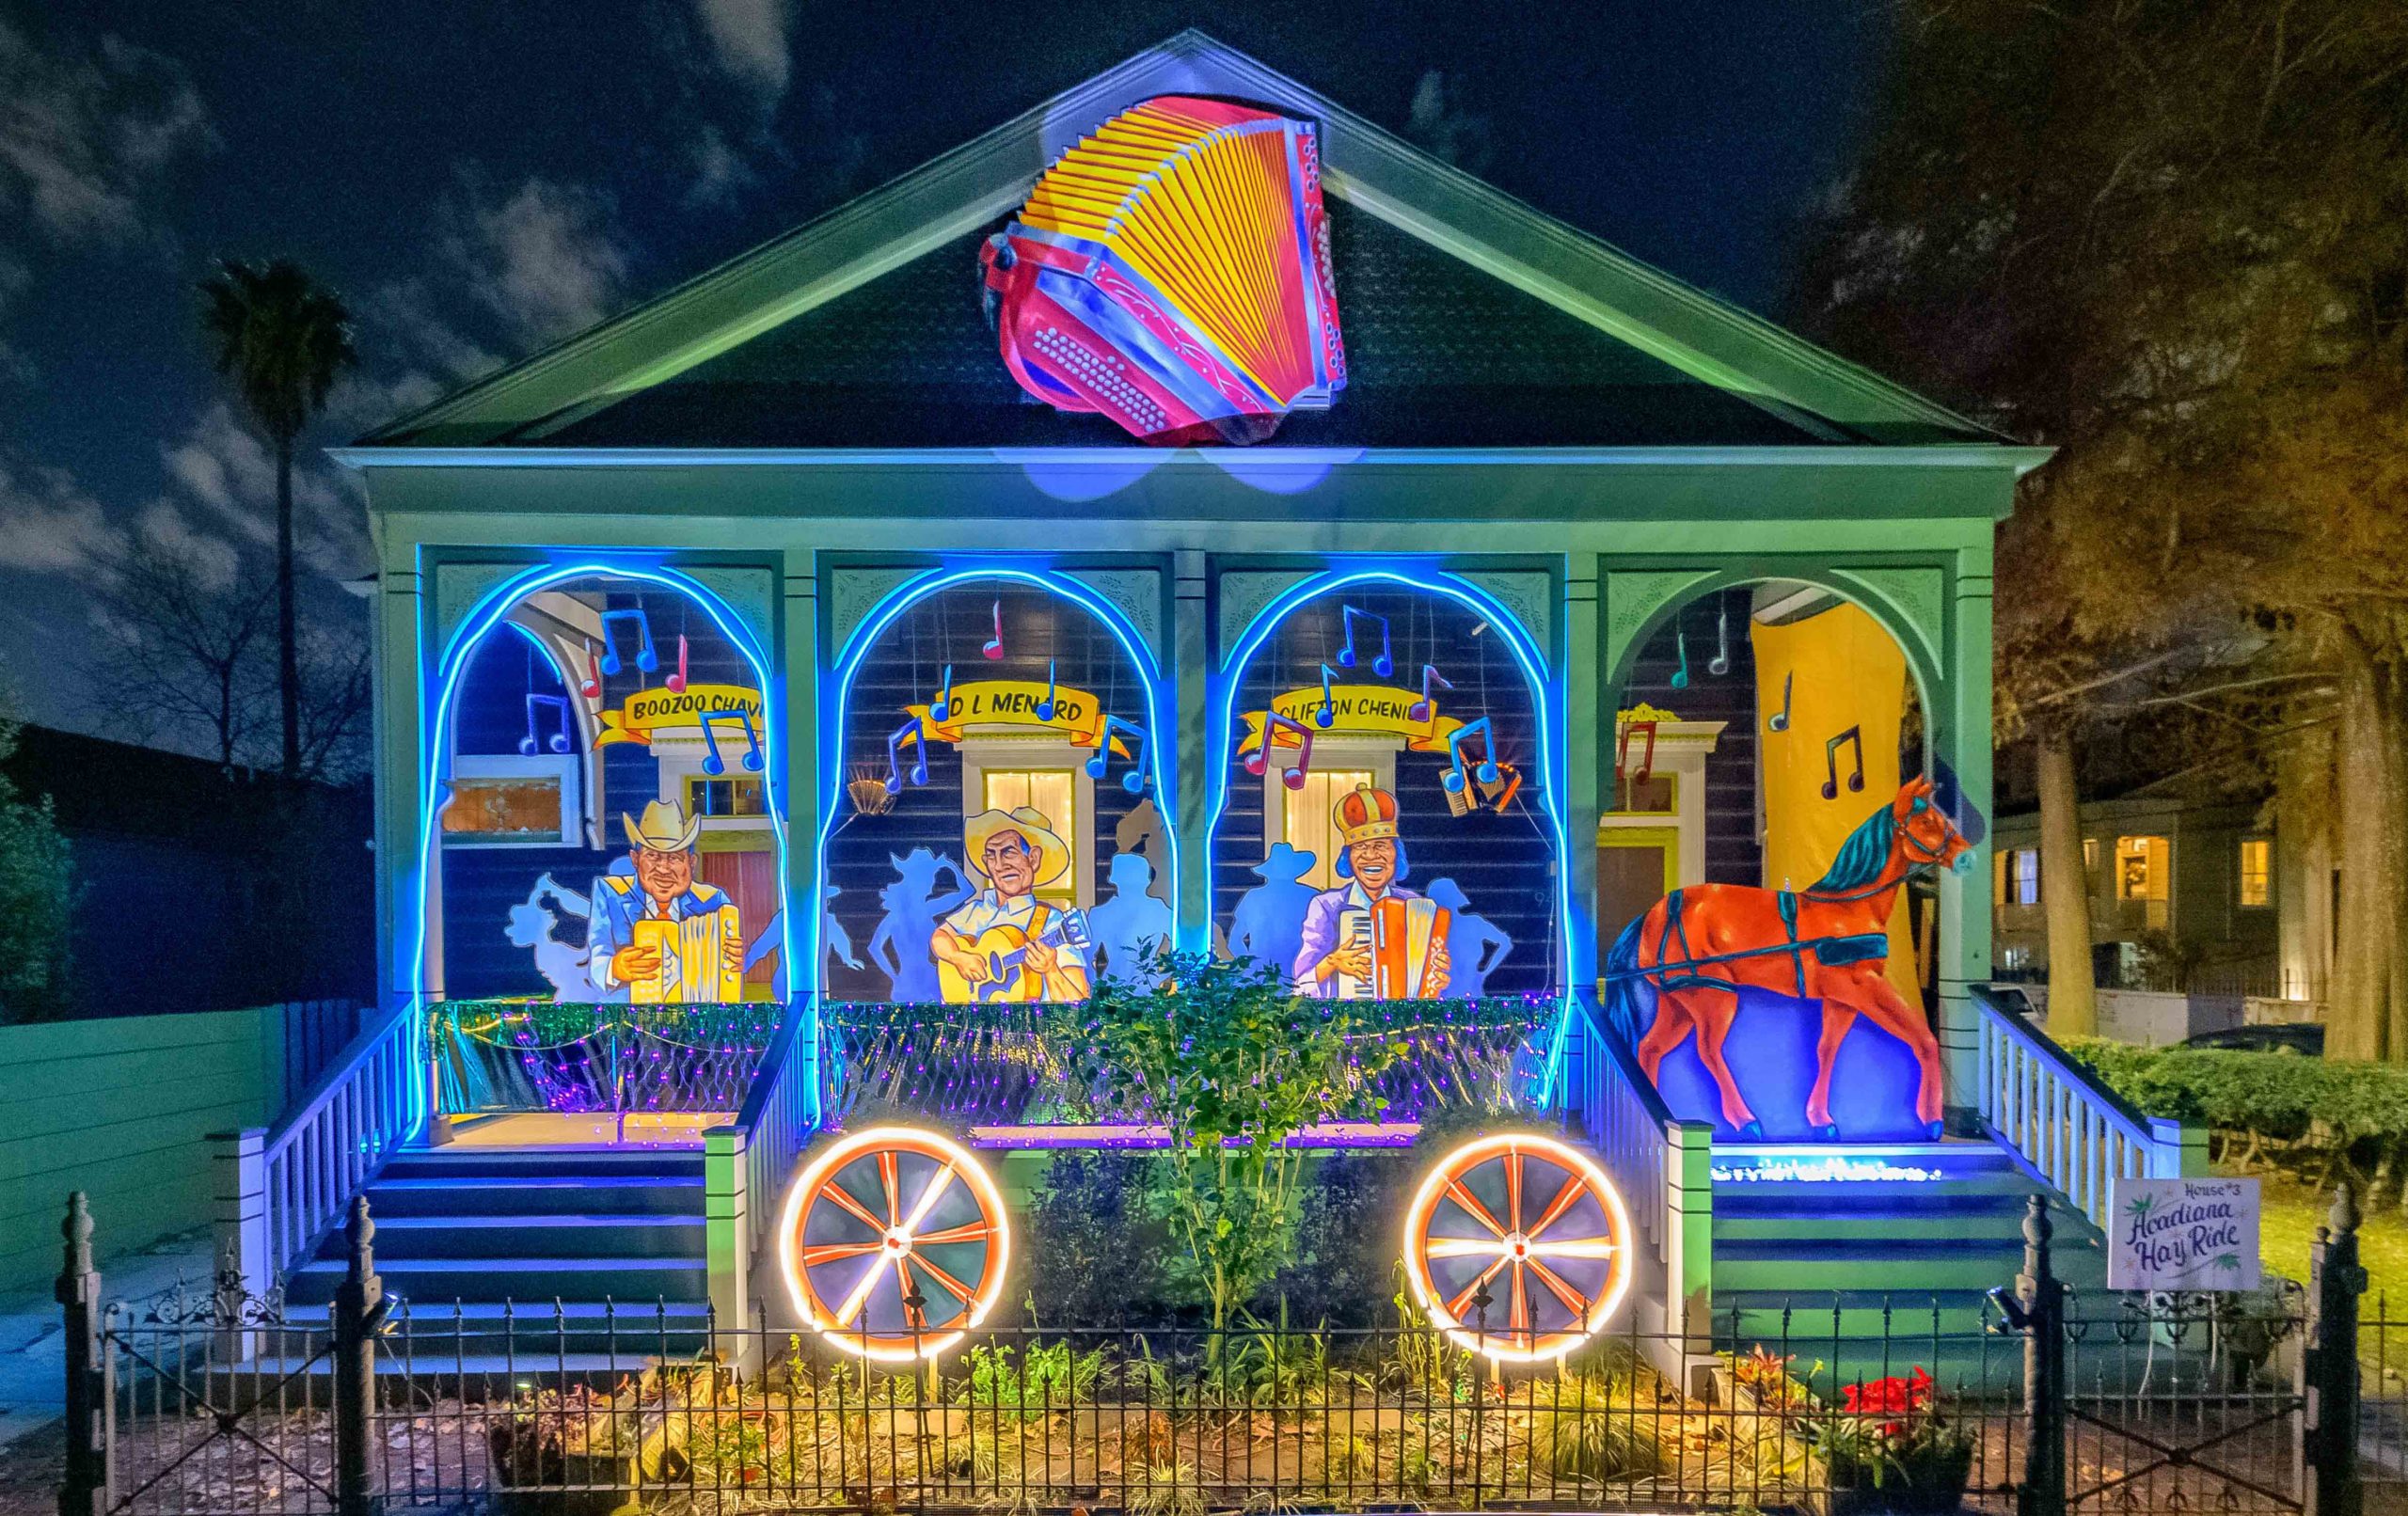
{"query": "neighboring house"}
{"type": "Point", "coordinates": [2182, 897]}
{"type": "Point", "coordinates": [204, 887]}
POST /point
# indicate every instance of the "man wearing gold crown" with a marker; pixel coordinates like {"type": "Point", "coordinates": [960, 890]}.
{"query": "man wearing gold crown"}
{"type": "Point", "coordinates": [1338, 944]}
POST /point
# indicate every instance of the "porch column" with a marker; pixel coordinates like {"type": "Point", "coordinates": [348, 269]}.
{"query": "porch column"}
{"type": "Point", "coordinates": [794, 665]}
{"type": "Point", "coordinates": [1191, 810]}
{"type": "Point", "coordinates": [1964, 746]}
{"type": "Point", "coordinates": [395, 734]}
{"type": "Point", "coordinates": [1588, 728]}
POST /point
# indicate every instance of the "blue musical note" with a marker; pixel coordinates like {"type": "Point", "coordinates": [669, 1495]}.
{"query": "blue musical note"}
{"type": "Point", "coordinates": [1681, 675]}
{"type": "Point", "coordinates": [941, 709]}
{"type": "Point", "coordinates": [1383, 665]}
{"type": "Point", "coordinates": [1419, 711]}
{"type": "Point", "coordinates": [1133, 780]}
{"type": "Point", "coordinates": [712, 762]}
{"type": "Point", "coordinates": [1045, 707]}
{"type": "Point", "coordinates": [906, 731]}
{"type": "Point", "coordinates": [1453, 780]}
{"type": "Point", "coordinates": [1327, 715]}
{"type": "Point", "coordinates": [1780, 720]}
{"type": "Point", "coordinates": [648, 656]}
{"type": "Point", "coordinates": [559, 740]}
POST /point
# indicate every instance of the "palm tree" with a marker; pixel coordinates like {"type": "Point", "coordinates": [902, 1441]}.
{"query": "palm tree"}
{"type": "Point", "coordinates": [281, 337]}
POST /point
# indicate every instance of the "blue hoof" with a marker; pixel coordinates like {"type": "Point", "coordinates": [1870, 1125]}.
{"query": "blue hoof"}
{"type": "Point", "coordinates": [1933, 1131]}
{"type": "Point", "coordinates": [1829, 1131]}
{"type": "Point", "coordinates": [1753, 1132]}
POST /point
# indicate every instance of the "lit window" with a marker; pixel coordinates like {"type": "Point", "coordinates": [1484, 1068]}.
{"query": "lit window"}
{"type": "Point", "coordinates": [1653, 796]}
{"type": "Point", "coordinates": [504, 810]}
{"type": "Point", "coordinates": [717, 798]}
{"type": "Point", "coordinates": [2141, 872]}
{"type": "Point", "coordinates": [2256, 872]}
{"type": "Point", "coordinates": [1309, 825]}
{"type": "Point", "coordinates": [2023, 876]}
{"type": "Point", "coordinates": [2090, 856]}
{"type": "Point", "coordinates": [1053, 793]}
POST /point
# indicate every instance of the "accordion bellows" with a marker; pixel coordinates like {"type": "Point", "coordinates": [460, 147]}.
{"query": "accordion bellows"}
{"type": "Point", "coordinates": [1172, 272]}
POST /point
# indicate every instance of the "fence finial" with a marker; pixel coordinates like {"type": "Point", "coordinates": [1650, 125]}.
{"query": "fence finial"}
{"type": "Point", "coordinates": [360, 1233]}
{"type": "Point", "coordinates": [2037, 1228]}
{"type": "Point", "coordinates": [77, 1229]}
{"type": "Point", "coordinates": [2344, 1217]}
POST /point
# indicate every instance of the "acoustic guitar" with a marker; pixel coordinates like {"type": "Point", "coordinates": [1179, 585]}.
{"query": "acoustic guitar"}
{"type": "Point", "coordinates": [1004, 947]}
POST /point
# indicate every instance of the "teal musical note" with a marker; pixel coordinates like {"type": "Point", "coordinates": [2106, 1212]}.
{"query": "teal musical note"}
{"type": "Point", "coordinates": [1453, 780]}
{"type": "Point", "coordinates": [648, 656]}
{"type": "Point", "coordinates": [1133, 780]}
{"type": "Point", "coordinates": [712, 762]}
{"type": "Point", "coordinates": [1327, 715]}
{"type": "Point", "coordinates": [1720, 663]}
{"type": "Point", "coordinates": [1681, 676]}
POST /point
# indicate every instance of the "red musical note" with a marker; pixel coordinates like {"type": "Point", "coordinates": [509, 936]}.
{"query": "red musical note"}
{"type": "Point", "coordinates": [677, 681]}
{"type": "Point", "coordinates": [591, 685]}
{"type": "Point", "coordinates": [994, 648]}
{"type": "Point", "coordinates": [1646, 761]}
{"type": "Point", "coordinates": [1292, 775]}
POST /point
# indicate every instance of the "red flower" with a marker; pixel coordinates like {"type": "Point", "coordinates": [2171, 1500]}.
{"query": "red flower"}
{"type": "Point", "coordinates": [1892, 1397]}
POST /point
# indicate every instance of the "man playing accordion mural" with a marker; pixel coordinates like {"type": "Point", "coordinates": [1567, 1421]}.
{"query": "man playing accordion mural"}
{"type": "Point", "coordinates": [1372, 938]}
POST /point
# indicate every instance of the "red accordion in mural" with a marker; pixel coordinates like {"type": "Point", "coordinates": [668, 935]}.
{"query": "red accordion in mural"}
{"type": "Point", "coordinates": [1172, 272]}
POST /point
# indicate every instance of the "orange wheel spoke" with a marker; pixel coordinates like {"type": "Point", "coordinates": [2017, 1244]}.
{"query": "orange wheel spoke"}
{"type": "Point", "coordinates": [1514, 1187]}
{"type": "Point", "coordinates": [1456, 1306]}
{"type": "Point", "coordinates": [836, 1195]}
{"type": "Point", "coordinates": [967, 1232]}
{"type": "Point", "coordinates": [1461, 1197]}
{"type": "Point", "coordinates": [1564, 1200]}
{"type": "Point", "coordinates": [1517, 1318]}
{"type": "Point", "coordinates": [1572, 1300]}
{"type": "Point", "coordinates": [912, 1315]}
{"type": "Point", "coordinates": [830, 1252]}
{"type": "Point", "coordinates": [946, 1282]}
{"type": "Point", "coordinates": [929, 1197]}
{"type": "Point", "coordinates": [888, 1179]}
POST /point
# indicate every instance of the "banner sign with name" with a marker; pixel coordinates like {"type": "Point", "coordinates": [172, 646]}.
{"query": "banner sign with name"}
{"type": "Point", "coordinates": [648, 711]}
{"type": "Point", "coordinates": [2182, 1234]}
{"type": "Point", "coordinates": [1355, 710]}
{"type": "Point", "coordinates": [1013, 703]}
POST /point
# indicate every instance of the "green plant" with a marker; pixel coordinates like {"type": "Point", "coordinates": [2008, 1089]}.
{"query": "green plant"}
{"type": "Point", "coordinates": [38, 896]}
{"type": "Point", "coordinates": [1890, 1433]}
{"type": "Point", "coordinates": [1103, 1239]}
{"type": "Point", "coordinates": [1037, 1381]}
{"type": "Point", "coordinates": [1233, 1063]}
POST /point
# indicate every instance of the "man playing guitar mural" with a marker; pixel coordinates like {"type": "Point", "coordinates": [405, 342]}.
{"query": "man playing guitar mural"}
{"type": "Point", "coordinates": [1004, 943]}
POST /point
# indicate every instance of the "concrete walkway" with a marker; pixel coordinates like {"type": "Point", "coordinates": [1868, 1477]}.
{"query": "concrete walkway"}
{"type": "Point", "coordinates": [33, 1351]}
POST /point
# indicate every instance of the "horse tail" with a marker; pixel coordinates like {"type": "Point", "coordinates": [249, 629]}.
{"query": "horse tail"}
{"type": "Point", "coordinates": [1622, 1008]}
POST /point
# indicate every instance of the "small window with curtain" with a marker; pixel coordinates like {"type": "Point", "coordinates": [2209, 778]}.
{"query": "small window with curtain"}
{"type": "Point", "coordinates": [2256, 871]}
{"type": "Point", "coordinates": [2141, 868]}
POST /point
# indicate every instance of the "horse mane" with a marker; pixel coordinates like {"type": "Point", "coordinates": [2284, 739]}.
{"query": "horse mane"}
{"type": "Point", "coordinates": [1864, 855]}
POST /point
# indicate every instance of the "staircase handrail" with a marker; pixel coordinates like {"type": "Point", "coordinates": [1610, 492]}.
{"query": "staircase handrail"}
{"type": "Point", "coordinates": [2062, 1121]}
{"type": "Point", "coordinates": [282, 1187]}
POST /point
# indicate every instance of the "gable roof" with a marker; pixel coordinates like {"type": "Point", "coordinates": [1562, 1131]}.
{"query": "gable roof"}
{"type": "Point", "coordinates": [1471, 321]}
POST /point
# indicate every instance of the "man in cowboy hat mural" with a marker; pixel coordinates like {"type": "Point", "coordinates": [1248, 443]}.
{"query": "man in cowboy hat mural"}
{"type": "Point", "coordinates": [662, 888]}
{"type": "Point", "coordinates": [1042, 949]}
{"type": "Point", "coordinates": [1372, 861]}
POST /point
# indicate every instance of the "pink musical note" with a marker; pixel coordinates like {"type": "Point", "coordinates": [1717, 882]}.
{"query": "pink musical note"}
{"type": "Point", "coordinates": [1622, 755]}
{"type": "Point", "coordinates": [1419, 711]}
{"type": "Point", "coordinates": [591, 685]}
{"type": "Point", "coordinates": [648, 656]}
{"type": "Point", "coordinates": [677, 681]}
{"type": "Point", "coordinates": [994, 648]}
{"type": "Point", "coordinates": [1292, 775]}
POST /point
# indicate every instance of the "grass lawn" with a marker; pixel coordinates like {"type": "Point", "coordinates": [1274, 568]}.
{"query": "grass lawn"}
{"type": "Point", "coordinates": [2291, 1212]}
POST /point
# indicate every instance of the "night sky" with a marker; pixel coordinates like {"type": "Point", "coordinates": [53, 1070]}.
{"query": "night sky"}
{"type": "Point", "coordinates": [478, 179]}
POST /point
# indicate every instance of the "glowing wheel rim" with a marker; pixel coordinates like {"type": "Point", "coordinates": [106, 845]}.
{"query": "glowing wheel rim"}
{"type": "Point", "coordinates": [1538, 1223]}
{"type": "Point", "coordinates": [885, 1215]}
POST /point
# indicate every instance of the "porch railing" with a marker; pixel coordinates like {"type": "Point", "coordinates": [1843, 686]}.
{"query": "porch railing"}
{"type": "Point", "coordinates": [2069, 1129]}
{"type": "Point", "coordinates": [282, 1188]}
{"type": "Point", "coordinates": [746, 1162]}
{"type": "Point", "coordinates": [1664, 1164]}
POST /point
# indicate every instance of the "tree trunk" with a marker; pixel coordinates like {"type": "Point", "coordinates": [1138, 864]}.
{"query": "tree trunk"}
{"type": "Point", "coordinates": [2366, 1016]}
{"type": "Point", "coordinates": [288, 656]}
{"type": "Point", "coordinates": [2064, 892]}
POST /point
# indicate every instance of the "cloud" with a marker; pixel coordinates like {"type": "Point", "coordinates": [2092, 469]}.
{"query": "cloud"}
{"type": "Point", "coordinates": [83, 142]}
{"type": "Point", "coordinates": [722, 175]}
{"type": "Point", "coordinates": [48, 524]}
{"type": "Point", "coordinates": [215, 562]}
{"type": "Point", "coordinates": [750, 42]}
{"type": "Point", "coordinates": [545, 259]}
{"type": "Point", "coordinates": [221, 466]}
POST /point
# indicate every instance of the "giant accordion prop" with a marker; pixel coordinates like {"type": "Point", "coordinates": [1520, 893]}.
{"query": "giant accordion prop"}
{"type": "Point", "coordinates": [1172, 272]}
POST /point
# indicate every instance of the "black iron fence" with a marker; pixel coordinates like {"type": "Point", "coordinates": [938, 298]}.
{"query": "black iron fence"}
{"type": "Point", "coordinates": [2043, 1402]}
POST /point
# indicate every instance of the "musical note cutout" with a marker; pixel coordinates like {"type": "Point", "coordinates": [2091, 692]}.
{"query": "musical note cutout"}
{"type": "Point", "coordinates": [1853, 737]}
{"type": "Point", "coordinates": [1780, 719]}
{"type": "Point", "coordinates": [1429, 675]}
{"type": "Point", "coordinates": [712, 762]}
{"type": "Point", "coordinates": [648, 656]}
{"type": "Point", "coordinates": [1646, 758]}
{"type": "Point", "coordinates": [1384, 664]}
{"type": "Point", "coordinates": [1454, 779]}
{"type": "Point", "coordinates": [1293, 774]}
{"type": "Point", "coordinates": [1133, 780]}
{"type": "Point", "coordinates": [677, 682]}
{"type": "Point", "coordinates": [1681, 675]}
{"type": "Point", "coordinates": [1720, 663]}
{"type": "Point", "coordinates": [1045, 707]}
{"type": "Point", "coordinates": [559, 740]}
{"type": "Point", "coordinates": [993, 647]}
{"type": "Point", "coordinates": [908, 731]}
{"type": "Point", "coordinates": [1327, 715]}
{"type": "Point", "coordinates": [941, 709]}
{"type": "Point", "coordinates": [591, 685]}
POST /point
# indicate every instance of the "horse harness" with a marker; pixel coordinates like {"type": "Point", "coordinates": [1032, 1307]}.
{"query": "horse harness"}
{"type": "Point", "coordinates": [1831, 952]}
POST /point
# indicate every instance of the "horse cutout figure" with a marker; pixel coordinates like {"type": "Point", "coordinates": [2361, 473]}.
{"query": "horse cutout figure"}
{"type": "Point", "coordinates": [1698, 946]}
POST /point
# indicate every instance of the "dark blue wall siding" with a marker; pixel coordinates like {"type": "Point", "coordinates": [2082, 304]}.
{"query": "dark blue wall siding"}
{"type": "Point", "coordinates": [1733, 848]}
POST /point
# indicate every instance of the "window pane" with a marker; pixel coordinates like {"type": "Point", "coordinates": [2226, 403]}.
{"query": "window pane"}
{"type": "Point", "coordinates": [1651, 796]}
{"type": "Point", "coordinates": [2141, 872]}
{"type": "Point", "coordinates": [504, 810]}
{"type": "Point", "coordinates": [1310, 827]}
{"type": "Point", "coordinates": [2256, 872]}
{"type": "Point", "coordinates": [2027, 876]}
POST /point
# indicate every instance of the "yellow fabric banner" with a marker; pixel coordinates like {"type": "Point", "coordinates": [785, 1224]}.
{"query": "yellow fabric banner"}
{"type": "Point", "coordinates": [647, 711]}
{"type": "Point", "coordinates": [1382, 710]}
{"type": "Point", "coordinates": [986, 702]}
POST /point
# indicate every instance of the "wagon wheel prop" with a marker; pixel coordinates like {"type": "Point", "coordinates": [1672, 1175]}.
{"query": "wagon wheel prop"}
{"type": "Point", "coordinates": [894, 1243]}
{"type": "Point", "coordinates": [1517, 1246]}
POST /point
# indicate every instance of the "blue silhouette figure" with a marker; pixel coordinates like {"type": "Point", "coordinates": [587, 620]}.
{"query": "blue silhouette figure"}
{"type": "Point", "coordinates": [833, 940]}
{"type": "Point", "coordinates": [1128, 928]}
{"type": "Point", "coordinates": [914, 906]}
{"type": "Point", "coordinates": [562, 964]}
{"type": "Point", "coordinates": [1268, 926]}
{"type": "Point", "coordinates": [1468, 939]}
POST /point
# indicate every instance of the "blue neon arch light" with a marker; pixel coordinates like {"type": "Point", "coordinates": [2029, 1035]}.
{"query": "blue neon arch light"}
{"type": "Point", "coordinates": [1159, 735]}
{"type": "Point", "coordinates": [436, 746]}
{"type": "Point", "coordinates": [1222, 717]}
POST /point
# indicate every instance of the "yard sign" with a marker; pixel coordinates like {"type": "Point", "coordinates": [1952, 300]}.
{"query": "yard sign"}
{"type": "Point", "coordinates": [2182, 1234]}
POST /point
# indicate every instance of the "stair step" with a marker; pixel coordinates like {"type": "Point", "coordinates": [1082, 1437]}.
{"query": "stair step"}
{"type": "Point", "coordinates": [540, 1164]}
{"type": "Point", "coordinates": [1916, 1266]}
{"type": "Point", "coordinates": [1807, 1228]}
{"type": "Point", "coordinates": [527, 1280]}
{"type": "Point", "coordinates": [589, 1195]}
{"type": "Point", "coordinates": [402, 1238]}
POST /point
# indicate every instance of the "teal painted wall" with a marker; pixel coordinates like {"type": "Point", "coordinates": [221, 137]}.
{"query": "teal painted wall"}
{"type": "Point", "coordinates": [122, 1110]}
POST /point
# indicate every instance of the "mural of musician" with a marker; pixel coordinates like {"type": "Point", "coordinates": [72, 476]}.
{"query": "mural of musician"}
{"type": "Point", "coordinates": [1372, 938]}
{"type": "Point", "coordinates": [1004, 944]}
{"type": "Point", "coordinates": [659, 936]}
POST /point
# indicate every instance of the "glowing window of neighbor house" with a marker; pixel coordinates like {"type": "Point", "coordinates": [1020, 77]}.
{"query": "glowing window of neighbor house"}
{"type": "Point", "coordinates": [2023, 876]}
{"type": "Point", "coordinates": [2141, 871]}
{"type": "Point", "coordinates": [2256, 871]}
